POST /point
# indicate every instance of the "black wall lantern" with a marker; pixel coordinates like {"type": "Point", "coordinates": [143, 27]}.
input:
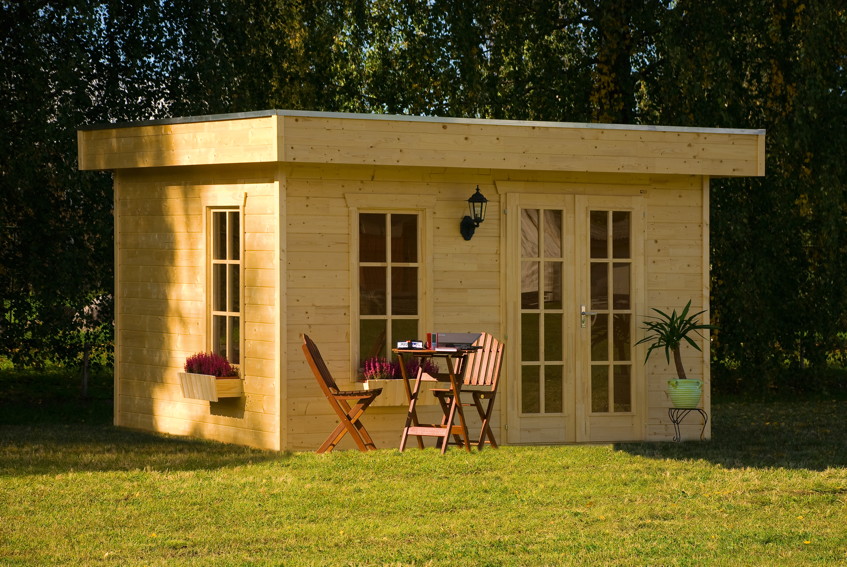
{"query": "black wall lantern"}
{"type": "Point", "coordinates": [476, 205]}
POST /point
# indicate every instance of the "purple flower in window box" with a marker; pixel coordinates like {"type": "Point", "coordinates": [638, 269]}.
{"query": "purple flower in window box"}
{"type": "Point", "coordinates": [211, 364]}
{"type": "Point", "coordinates": [377, 368]}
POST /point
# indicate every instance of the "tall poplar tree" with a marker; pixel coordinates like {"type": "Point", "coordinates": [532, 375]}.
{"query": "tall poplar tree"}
{"type": "Point", "coordinates": [65, 64]}
{"type": "Point", "coordinates": [778, 243]}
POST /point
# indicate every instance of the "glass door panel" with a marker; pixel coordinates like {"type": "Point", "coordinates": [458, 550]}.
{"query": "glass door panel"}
{"type": "Point", "coordinates": [610, 284]}
{"type": "Point", "coordinates": [575, 285]}
{"type": "Point", "coordinates": [542, 293]}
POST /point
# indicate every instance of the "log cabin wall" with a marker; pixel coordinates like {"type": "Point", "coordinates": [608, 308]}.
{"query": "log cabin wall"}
{"type": "Point", "coordinates": [300, 179]}
{"type": "Point", "coordinates": [162, 300]}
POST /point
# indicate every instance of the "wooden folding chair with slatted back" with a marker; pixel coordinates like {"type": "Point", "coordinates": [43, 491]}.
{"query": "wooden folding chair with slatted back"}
{"type": "Point", "coordinates": [480, 376]}
{"type": "Point", "coordinates": [340, 402]}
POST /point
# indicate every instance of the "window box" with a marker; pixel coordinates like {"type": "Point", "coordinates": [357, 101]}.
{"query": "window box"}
{"type": "Point", "coordinates": [394, 394]}
{"type": "Point", "coordinates": [209, 388]}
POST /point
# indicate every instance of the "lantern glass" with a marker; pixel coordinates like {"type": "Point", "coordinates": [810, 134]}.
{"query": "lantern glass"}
{"type": "Point", "coordinates": [477, 204]}
{"type": "Point", "coordinates": [476, 208]}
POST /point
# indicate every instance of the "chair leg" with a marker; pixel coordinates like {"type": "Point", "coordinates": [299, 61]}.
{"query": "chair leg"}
{"type": "Point", "coordinates": [447, 420]}
{"type": "Point", "coordinates": [350, 424]}
{"type": "Point", "coordinates": [446, 400]}
{"type": "Point", "coordinates": [334, 438]}
{"type": "Point", "coordinates": [485, 416]}
{"type": "Point", "coordinates": [358, 411]}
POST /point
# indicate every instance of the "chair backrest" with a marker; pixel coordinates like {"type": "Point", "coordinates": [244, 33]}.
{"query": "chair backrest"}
{"type": "Point", "coordinates": [482, 367]}
{"type": "Point", "coordinates": [316, 361]}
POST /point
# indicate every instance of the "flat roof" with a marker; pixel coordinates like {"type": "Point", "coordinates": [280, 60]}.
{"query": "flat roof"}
{"type": "Point", "coordinates": [409, 118]}
{"type": "Point", "coordinates": [337, 138]}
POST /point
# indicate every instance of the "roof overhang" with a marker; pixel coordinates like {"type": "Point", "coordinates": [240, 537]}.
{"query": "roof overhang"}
{"type": "Point", "coordinates": [286, 136]}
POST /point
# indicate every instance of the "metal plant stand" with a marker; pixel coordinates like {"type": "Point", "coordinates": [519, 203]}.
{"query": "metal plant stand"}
{"type": "Point", "coordinates": [678, 414]}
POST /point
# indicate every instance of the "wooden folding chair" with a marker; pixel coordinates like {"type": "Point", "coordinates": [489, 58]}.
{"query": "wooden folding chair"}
{"type": "Point", "coordinates": [480, 376]}
{"type": "Point", "coordinates": [339, 399]}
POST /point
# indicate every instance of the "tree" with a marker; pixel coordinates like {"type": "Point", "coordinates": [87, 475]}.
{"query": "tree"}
{"type": "Point", "coordinates": [777, 243]}
{"type": "Point", "coordinates": [65, 64]}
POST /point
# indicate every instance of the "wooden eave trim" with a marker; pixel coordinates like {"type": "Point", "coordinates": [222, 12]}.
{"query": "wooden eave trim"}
{"type": "Point", "coordinates": [380, 140]}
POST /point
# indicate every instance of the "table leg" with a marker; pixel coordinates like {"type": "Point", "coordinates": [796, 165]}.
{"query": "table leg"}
{"type": "Point", "coordinates": [455, 407]}
{"type": "Point", "coordinates": [412, 396]}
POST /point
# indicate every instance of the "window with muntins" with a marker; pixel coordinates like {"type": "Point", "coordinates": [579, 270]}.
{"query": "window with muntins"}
{"type": "Point", "coordinates": [226, 254]}
{"type": "Point", "coordinates": [389, 261]}
{"type": "Point", "coordinates": [611, 301]}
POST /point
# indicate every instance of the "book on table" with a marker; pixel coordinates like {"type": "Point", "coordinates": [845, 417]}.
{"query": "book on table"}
{"type": "Point", "coordinates": [452, 342]}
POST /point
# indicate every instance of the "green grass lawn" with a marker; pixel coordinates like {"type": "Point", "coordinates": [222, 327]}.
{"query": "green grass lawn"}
{"type": "Point", "coordinates": [769, 489]}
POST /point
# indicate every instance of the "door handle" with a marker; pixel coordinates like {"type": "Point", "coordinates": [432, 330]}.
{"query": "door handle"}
{"type": "Point", "coordinates": [583, 316]}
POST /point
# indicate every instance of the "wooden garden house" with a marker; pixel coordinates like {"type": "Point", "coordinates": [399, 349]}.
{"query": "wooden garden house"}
{"type": "Point", "coordinates": [238, 233]}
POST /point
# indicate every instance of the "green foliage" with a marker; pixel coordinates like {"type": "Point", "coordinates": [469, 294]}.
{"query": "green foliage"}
{"type": "Point", "coordinates": [669, 331]}
{"type": "Point", "coordinates": [779, 244]}
{"type": "Point", "coordinates": [55, 222]}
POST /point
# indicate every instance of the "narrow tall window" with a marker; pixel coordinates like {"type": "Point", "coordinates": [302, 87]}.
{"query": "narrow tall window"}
{"type": "Point", "coordinates": [226, 283]}
{"type": "Point", "coordinates": [543, 262]}
{"type": "Point", "coordinates": [611, 301]}
{"type": "Point", "coordinates": [388, 281]}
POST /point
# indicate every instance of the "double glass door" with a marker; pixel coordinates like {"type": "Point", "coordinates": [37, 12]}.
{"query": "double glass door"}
{"type": "Point", "coordinates": [575, 267]}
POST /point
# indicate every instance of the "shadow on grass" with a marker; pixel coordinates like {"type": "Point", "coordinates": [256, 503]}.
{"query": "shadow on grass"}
{"type": "Point", "coordinates": [61, 448]}
{"type": "Point", "coordinates": [45, 428]}
{"type": "Point", "coordinates": [776, 434]}
{"type": "Point", "coordinates": [52, 448]}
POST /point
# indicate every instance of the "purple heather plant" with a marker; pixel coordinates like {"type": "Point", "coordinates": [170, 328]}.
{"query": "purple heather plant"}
{"type": "Point", "coordinates": [378, 368]}
{"type": "Point", "coordinates": [429, 367]}
{"type": "Point", "coordinates": [210, 363]}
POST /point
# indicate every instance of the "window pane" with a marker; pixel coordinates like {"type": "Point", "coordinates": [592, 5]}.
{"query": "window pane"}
{"type": "Point", "coordinates": [552, 337]}
{"type": "Point", "coordinates": [600, 337]}
{"type": "Point", "coordinates": [621, 285]}
{"type": "Point", "coordinates": [529, 233]}
{"type": "Point", "coordinates": [404, 238]}
{"type": "Point", "coordinates": [404, 291]}
{"type": "Point", "coordinates": [404, 330]}
{"type": "Point", "coordinates": [234, 252]}
{"type": "Point", "coordinates": [553, 234]}
{"type": "Point", "coordinates": [530, 390]}
{"type": "Point", "coordinates": [234, 286]}
{"type": "Point", "coordinates": [599, 234]}
{"type": "Point", "coordinates": [623, 388]}
{"type": "Point", "coordinates": [219, 287]}
{"type": "Point", "coordinates": [599, 285]}
{"type": "Point", "coordinates": [529, 285]}
{"type": "Point", "coordinates": [372, 238]}
{"type": "Point", "coordinates": [620, 234]}
{"type": "Point", "coordinates": [372, 291]}
{"type": "Point", "coordinates": [234, 338]}
{"type": "Point", "coordinates": [371, 338]}
{"type": "Point", "coordinates": [219, 236]}
{"type": "Point", "coordinates": [622, 337]}
{"type": "Point", "coordinates": [529, 337]}
{"type": "Point", "coordinates": [553, 389]}
{"type": "Point", "coordinates": [553, 285]}
{"type": "Point", "coordinates": [219, 334]}
{"type": "Point", "coordinates": [599, 388]}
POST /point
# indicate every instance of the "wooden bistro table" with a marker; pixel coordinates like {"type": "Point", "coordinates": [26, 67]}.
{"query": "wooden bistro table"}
{"type": "Point", "coordinates": [455, 360]}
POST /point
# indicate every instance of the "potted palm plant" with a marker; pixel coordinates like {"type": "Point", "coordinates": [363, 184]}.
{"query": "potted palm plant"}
{"type": "Point", "coordinates": [209, 376]}
{"type": "Point", "coordinates": [668, 331]}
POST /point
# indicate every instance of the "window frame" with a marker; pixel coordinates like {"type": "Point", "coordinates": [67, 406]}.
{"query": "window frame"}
{"type": "Point", "coordinates": [211, 262]}
{"type": "Point", "coordinates": [421, 206]}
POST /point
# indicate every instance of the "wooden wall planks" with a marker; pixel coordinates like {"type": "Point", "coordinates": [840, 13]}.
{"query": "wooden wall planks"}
{"type": "Point", "coordinates": [297, 178]}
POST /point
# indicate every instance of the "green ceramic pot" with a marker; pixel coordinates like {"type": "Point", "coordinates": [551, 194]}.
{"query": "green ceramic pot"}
{"type": "Point", "coordinates": [685, 393]}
